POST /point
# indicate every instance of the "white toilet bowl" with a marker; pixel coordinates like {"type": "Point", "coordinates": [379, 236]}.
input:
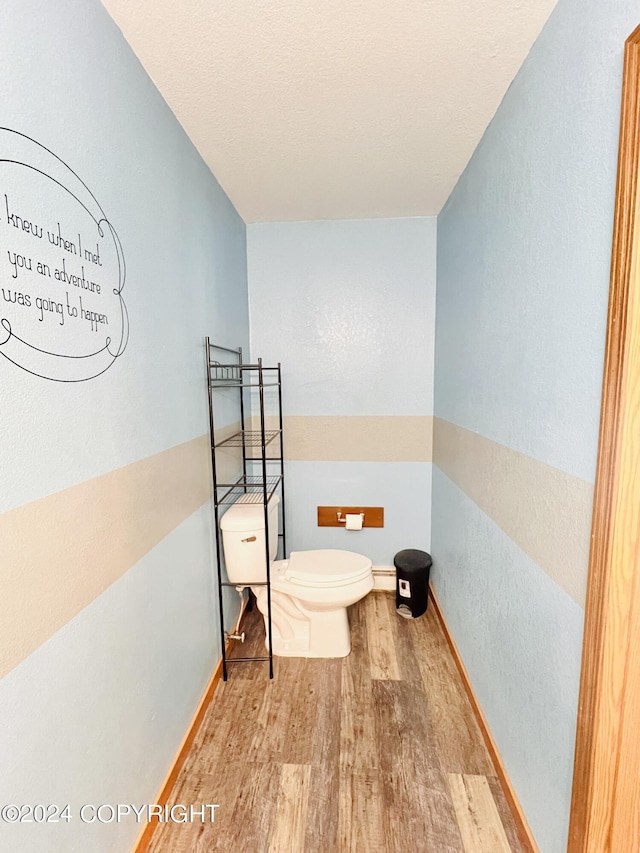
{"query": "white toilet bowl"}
{"type": "Point", "coordinates": [310, 592]}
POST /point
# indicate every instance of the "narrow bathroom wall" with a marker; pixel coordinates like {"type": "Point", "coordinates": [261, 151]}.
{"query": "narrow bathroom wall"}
{"type": "Point", "coordinates": [347, 307]}
{"type": "Point", "coordinates": [109, 621]}
{"type": "Point", "coordinates": [524, 246]}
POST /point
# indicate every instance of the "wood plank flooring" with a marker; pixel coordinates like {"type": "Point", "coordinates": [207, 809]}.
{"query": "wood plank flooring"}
{"type": "Point", "coordinates": [378, 752]}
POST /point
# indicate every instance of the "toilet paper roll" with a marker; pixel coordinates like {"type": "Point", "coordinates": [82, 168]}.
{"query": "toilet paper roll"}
{"type": "Point", "coordinates": [354, 521]}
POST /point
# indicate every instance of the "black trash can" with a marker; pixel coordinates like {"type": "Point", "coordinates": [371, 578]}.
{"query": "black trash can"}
{"type": "Point", "coordinates": [412, 582]}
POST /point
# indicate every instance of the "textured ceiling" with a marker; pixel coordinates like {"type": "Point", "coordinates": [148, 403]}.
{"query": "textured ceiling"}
{"type": "Point", "coordinates": [333, 109]}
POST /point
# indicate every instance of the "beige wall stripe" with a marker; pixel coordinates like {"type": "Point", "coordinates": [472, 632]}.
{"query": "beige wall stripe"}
{"type": "Point", "coordinates": [547, 512]}
{"type": "Point", "coordinates": [57, 554]}
{"type": "Point", "coordinates": [358, 438]}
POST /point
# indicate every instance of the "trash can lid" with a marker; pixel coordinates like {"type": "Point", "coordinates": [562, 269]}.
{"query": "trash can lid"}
{"type": "Point", "coordinates": [412, 560]}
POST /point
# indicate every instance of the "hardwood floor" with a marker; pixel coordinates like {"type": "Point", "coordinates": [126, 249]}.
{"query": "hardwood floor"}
{"type": "Point", "coordinates": [378, 752]}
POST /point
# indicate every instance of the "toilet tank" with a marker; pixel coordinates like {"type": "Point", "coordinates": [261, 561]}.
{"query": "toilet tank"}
{"type": "Point", "coordinates": [242, 528]}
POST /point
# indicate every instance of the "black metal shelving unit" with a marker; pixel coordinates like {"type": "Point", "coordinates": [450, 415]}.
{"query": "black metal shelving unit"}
{"type": "Point", "coordinates": [248, 487]}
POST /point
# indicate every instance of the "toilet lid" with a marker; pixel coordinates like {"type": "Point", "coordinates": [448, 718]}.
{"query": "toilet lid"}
{"type": "Point", "coordinates": [326, 567]}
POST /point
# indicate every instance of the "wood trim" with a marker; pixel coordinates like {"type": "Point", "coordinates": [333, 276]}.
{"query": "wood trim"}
{"type": "Point", "coordinates": [328, 515]}
{"type": "Point", "coordinates": [605, 799]}
{"type": "Point", "coordinates": [141, 845]}
{"type": "Point", "coordinates": [524, 832]}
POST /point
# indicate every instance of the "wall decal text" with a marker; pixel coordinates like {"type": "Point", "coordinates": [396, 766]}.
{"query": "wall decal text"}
{"type": "Point", "coordinates": [62, 268]}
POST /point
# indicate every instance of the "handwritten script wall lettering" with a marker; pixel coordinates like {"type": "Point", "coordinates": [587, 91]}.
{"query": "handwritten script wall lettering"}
{"type": "Point", "coordinates": [62, 269]}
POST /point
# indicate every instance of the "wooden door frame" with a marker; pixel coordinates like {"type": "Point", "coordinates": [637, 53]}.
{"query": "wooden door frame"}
{"type": "Point", "coordinates": [605, 806]}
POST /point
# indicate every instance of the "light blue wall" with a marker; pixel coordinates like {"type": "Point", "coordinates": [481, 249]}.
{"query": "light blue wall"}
{"type": "Point", "coordinates": [69, 80]}
{"type": "Point", "coordinates": [97, 713]}
{"type": "Point", "coordinates": [348, 307]}
{"type": "Point", "coordinates": [402, 488]}
{"type": "Point", "coordinates": [524, 246]}
{"type": "Point", "coordinates": [520, 638]}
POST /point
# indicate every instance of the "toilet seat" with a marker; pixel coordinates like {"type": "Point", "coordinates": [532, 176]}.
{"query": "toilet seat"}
{"type": "Point", "coordinates": [326, 568]}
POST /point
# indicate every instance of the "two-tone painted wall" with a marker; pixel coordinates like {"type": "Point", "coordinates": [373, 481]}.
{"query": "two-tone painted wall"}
{"type": "Point", "coordinates": [348, 308]}
{"type": "Point", "coordinates": [109, 622]}
{"type": "Point", "coordinates": [105, 533]}
{"type": "Point", "coordinates": [524, 247]}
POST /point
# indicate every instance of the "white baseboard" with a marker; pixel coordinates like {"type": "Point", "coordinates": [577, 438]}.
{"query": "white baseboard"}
{"type": "Point", "coordinates": [384, 577]}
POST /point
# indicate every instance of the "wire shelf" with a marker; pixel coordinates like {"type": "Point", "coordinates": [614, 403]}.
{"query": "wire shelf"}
{"type": "Point", "coordinates": [249, 438]}
{"type": "Point", "coordinates": [232, 383]}
{"type": "Point", "coordinates": [248, 490]}
{"type": "Point", "coordinates": [225, 373]}
{"type": "Point", "coordinates": [245, 660]}
{"type": "Point", "coordinates": [232, 375]}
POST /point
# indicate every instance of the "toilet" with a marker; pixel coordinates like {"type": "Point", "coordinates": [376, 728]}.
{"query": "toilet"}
{"type": "Point", "coordinates": [310, 592]}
